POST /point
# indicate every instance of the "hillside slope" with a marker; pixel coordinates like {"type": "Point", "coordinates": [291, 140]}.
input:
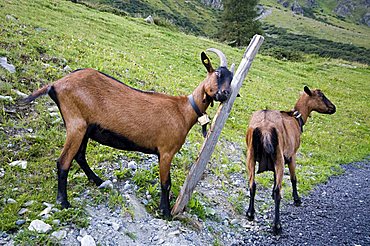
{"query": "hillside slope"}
{"type": "Point", "coordinates": [46, 39]}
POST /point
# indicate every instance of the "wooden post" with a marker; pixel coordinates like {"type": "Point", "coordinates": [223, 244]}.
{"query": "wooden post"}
{"type": "Point", "coordinates": [218, 123]}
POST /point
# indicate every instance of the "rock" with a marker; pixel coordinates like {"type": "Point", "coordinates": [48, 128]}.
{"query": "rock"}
{"type": "Point", "coordinates": [297, 9]}
{"type": "Point", "coordinates": [234, 221]}
{"type": "Point", "coordinates": [23, 211]}
{"type": "Point", "coordinates": [132, 165]}
{"type": "Point", "coordinates": [10, 18]}
{"type": "Point", "coordinates": [67, 68]}
{"type": "Point", "coordinates": [88, 240]}
{"type": "Point", "coordinates": [174, 233]}
{"type": "Point", "coordinates": [45, 211]}
{"type": "Point", "coordinates": [127, 186]}
{"type": "Point", "coordinates": [21, 94]}
{"type": "Point", "coordinates": [20, 222]}
{"type": "Point", "coordinates": [138, 209]}
{"type": "Point", "coordinates": [59, 235]}
{"type": "Point", "coordinates": [215, 4]}
{"type": "Point", "coordinates": [4, 63]}
{"type": "Point", "coordinates": [106, 184]}
{"type": "Point", "coordinates": [22, 164]}
{"type": "Point", "coordinates": [48, 204]}
{"type": "Point", "coordinates": [366, 19]}
{"type": "Point", "coordinates": [149, 19]}
{"type": "Point", "coordinates": [115, 226]}
{"type": "Point", "coordinates": [29, 203]}
{"type": "Point", "coordinates": [344, 8]}
{"type": "Point", "coordinates": [6, 98]}
{"type": "Point", "coordinates": [39, 226]}
{"type": "Point", "coordinates": [10, 201]}
{"type": "Point", "coordinates": [56, 222]}
{"type": "Point", "coordinates": [83, 232]}
{"type": "Point", "coordinates": [285, 3]}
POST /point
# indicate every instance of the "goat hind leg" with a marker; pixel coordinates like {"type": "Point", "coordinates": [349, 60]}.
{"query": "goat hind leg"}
{"type": "Point", "coordinates": [71, 146]}
{"type": "Point", "coordinates": [278, 178]}
{"type": "Point", "coordinates": [81, 160]}
{"type": "Point", "coordinates": [293, 179]}
{"type": "Point", "coordinates": [252, 185]}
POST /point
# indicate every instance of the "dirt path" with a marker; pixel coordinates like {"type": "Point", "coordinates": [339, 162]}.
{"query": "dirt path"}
{"type": "Point", "coordinates": [335, 213]}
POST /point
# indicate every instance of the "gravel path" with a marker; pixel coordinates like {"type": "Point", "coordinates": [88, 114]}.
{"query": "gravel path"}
{"type": "Point", "coordinates": [335, 213]}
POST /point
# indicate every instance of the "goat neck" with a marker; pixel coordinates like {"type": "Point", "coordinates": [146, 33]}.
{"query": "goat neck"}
{"type": "Point", "coordinates": [201, 100]}
{"type": "Point", "coordinates": [302, 108]}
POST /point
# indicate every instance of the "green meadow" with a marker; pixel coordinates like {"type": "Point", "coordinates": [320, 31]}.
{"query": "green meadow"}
{"type": "Point", "coordinates": [42, 37]}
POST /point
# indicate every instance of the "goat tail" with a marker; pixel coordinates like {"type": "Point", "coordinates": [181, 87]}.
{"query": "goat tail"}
{"type": "Point", "coordinates": [40, 92]}
{"type": "Point", "coordinates": [265, 144]}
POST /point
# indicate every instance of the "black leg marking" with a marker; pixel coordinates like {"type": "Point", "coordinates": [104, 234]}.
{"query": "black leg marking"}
{"type": "Point", "coordinates": [62, 187]}
{"type": "Point", "coordinates": [276, 227]}
{"type": "Point", "coordinates": [81, 160]}
{"type": "Point", "coordinates": [297, 199]}
{"type": "Point", "coordinates": [165, 198]}
{"type": "Point", "coordinates": [251, 211]}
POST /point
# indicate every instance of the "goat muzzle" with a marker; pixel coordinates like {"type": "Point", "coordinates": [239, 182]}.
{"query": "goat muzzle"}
{"type": "Point", "coordinates": [222, 96]}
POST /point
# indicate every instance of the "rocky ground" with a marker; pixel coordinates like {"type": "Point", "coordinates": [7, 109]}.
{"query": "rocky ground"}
{"type": "Point", "coordinates": [335, 213]}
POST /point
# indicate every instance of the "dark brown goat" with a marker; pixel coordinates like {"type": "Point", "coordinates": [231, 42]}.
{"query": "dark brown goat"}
{"type": "Point", "coordinates": [94, 105]}
{"type": "Point", "coordinates": [273, 138]}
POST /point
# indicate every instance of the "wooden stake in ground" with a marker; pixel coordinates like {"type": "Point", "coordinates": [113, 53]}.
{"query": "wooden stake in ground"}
{"type": "Point", "coordinates": [218, 123]}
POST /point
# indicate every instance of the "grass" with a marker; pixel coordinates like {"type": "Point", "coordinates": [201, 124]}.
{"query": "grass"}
{"type": "Point", "coordinates": [332, 29]}
{"type": "Point", "coordinates": [48, 35]}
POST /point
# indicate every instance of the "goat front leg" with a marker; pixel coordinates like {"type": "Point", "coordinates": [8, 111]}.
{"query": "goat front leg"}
{"type": "Point", "coordinates": [165, 178]}
{"type": "Point", "coordinates": [293, 179]}
{"type": "Point", "coordinates": [278, 179]}
{"type": "Point", "coordinates": [252, 184]}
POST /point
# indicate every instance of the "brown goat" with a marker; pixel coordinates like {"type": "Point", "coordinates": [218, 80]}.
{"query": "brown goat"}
{"type": "Point", "coordinates": [273, 138]}
{"type": "Point", "coordinates": [95, 105]}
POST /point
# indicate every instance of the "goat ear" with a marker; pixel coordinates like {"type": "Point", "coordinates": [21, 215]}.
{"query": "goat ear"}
{"type": "Point", "coordinates": [206, 62]}
{"type": "Point", "coordinates": [307, 90]}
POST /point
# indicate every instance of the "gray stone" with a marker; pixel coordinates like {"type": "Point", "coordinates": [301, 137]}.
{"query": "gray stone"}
{"type": "Point", "coordinates": [6, 98]}
{"type": "Point", "coordinates": [10, 18]}
{"type": "Point", "coordinates": [29, 203]}
{"type": "Point", "coordinates": [11, 200]}
{"type": "Point", "coordinates": [67, 68]}
{"type": "Point", "coordinates": [45, 211]}
{"type": "Point", "coordinates": [132, 165]}
{"type": "Point", "coordinates": [22, 164]}
{"type": "Point", "coordinates": [115, 226]}
{"type": "Point", "coordinates": [23, 211]}
{"type": "Point", "coordinates": [87, 240]}
{"type": "Point", "coordinates": [149, 19]}
{"type": "Point", "coordinates": [9, 67]}
{"type": "Point", "coordinates": [20, 222]}
{"type": "Point", "coordinates": [39, 226]}
{"type": "Point", "coordinates": [59, 235]}
{"type": "Point", "coordinates": [106, 184]}
{"type": "Point", "coordinates": [56, 222]}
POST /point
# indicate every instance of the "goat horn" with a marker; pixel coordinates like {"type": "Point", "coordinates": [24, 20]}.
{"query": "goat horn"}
{"type": "Point", "coordinates": [223, 61]}
{"type": "Point", "coordinates": [232, 68]}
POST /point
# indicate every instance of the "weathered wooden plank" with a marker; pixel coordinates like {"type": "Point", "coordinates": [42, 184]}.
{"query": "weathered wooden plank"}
{"type": "Point", "coordinates": [218, 123]}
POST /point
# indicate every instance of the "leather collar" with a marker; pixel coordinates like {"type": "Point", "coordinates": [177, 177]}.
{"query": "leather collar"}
{"type": "Point", "coordinates": [297, 115]}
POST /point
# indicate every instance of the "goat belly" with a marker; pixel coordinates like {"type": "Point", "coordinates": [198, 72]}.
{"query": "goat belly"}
{"type": "Point", "coordinates": [115, 140]}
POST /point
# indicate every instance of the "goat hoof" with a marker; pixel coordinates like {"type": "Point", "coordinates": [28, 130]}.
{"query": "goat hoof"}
{"type": "Point", "coordinates": [97, 181]}
{"type": "Point", "coordinates": [166, 213]}
{"type": "Point", "coordinates": [250, 216]}
{"type": "Point", "coordinates": [64, 204]}
{"type": "Point", "coordinates": [297, 202]}
{"type": "Point", "coordinates": [276, 229]}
